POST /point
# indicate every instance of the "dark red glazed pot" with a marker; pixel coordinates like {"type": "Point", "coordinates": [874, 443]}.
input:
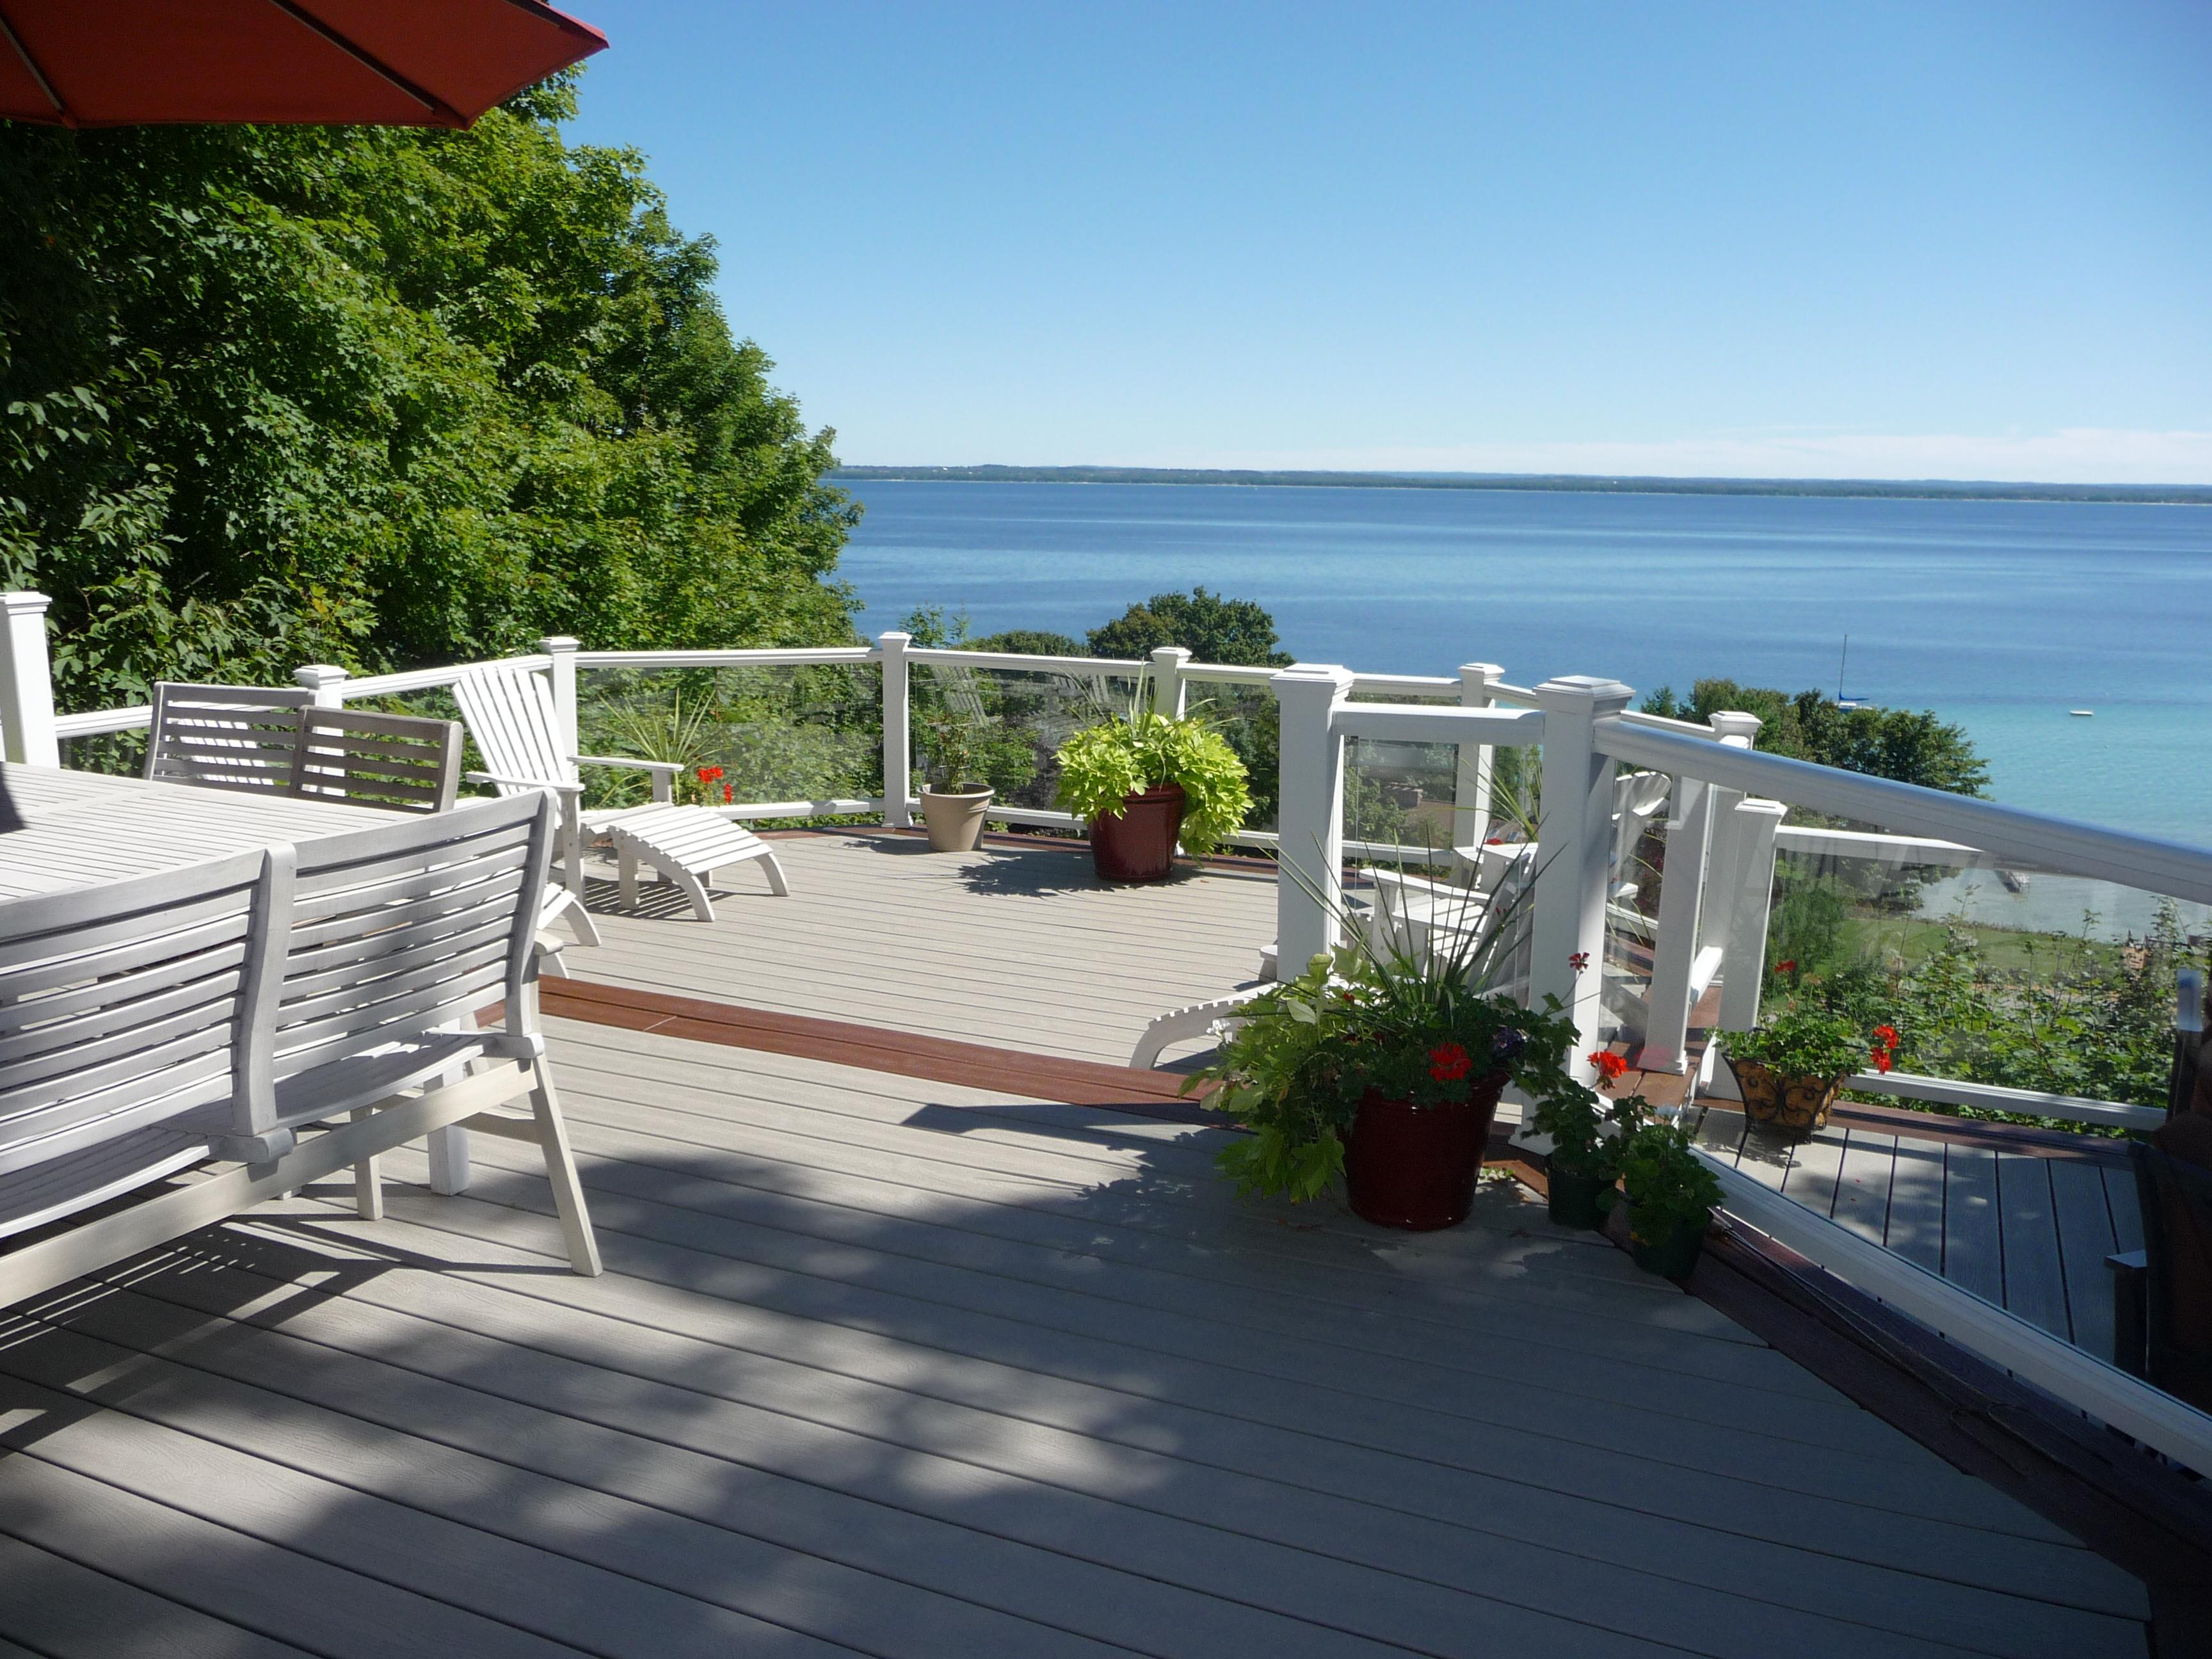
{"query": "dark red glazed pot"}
{"type": "Point", "coordinates": [1414, 1167]}
{"type": "Point", "coordinates": [1139, 844]}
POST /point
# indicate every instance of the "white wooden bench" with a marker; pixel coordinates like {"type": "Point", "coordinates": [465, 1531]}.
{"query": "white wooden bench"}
{"type": "Point", "coordinates": [224, 1013]}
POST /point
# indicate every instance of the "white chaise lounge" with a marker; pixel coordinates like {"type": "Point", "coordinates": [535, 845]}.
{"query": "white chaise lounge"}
{"type": "Point", "coordinates": [510, 714]}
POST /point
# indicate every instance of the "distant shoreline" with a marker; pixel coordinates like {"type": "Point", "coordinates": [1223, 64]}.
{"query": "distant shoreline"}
{"type": "Point", "coordinates": [1857, 489]}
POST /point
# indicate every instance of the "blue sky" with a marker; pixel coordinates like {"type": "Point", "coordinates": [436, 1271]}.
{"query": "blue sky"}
{"type": "Point", "coordinates": [1846, 241]}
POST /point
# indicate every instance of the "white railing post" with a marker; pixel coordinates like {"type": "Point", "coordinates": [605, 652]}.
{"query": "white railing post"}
{"type": "Point", "coordinates": [1674, 952]}
{"type": "Point", "coordinates": [899, 739]}
{"type": "Point", "coordinates": [324, 682]}
{"type": "Point", "coordinates": [1737, 731]}
{"type": "Point", "coordinates": [1309, 881]}
{"type": "Point", "coordinates": [1167, 679]}
{"type": "Point", "coordinates": [1471, 793]}
{"type": "Point", "coordinates": [566, 727]}
{"type": "Point", "coordinates": [1745, 973]}
{"type": "Point", "coordinates": [1574, 854]}
{"type": "Point", "coordinates": [27, 683]}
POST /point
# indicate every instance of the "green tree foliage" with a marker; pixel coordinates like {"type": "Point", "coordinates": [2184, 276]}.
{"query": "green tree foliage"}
{"type": "Point", "coordinates": [1883, 742]}
{"type": "Point", "coordinates": [383, 398]}
{"type": "Point", "coordinates": [1028, 643]}
{"type": "Point", "coordinates": [1213, 628]}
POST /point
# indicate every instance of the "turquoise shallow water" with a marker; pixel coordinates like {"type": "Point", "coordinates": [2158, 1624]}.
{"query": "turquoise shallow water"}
{"type": "Point", "coordinates": [2000, 615]}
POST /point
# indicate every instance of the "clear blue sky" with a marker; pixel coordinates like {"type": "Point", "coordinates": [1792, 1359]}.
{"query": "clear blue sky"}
{"type": "Point", "coordinates": [1924, 240]}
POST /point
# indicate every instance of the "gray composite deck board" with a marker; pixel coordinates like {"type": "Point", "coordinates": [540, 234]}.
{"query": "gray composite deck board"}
{"type": "Point", "coordinates": [2027, 1232]}
{"type": "Point", "coordinates": [70, 1611]}
{"type": "Point", "coordinates": [1022, 948]}
{"type": "Point", "coordinates": [912, 1405]}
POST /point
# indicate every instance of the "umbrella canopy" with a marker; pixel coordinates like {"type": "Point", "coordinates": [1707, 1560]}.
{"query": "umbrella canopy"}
{"type": "Point", "coordinates": [386, 62]}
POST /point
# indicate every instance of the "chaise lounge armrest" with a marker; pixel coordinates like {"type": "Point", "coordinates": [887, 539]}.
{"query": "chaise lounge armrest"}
{"type": "Point", "coordinates": [526, 783]}
{"type": "Point", "coordinates": [669, 767]}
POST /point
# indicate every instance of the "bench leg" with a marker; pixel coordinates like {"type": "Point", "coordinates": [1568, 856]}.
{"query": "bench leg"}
{"type": "Point", "coordinates": [776, 883]}
{"type": "Point", "coordinates": [367, 1181]}
{"type": "Point", "coordinates": [561, 1171]}
{"type": "Point", "coordinates": [449, 1160]}
{"type": "Point", "coordinates": [627, 861]}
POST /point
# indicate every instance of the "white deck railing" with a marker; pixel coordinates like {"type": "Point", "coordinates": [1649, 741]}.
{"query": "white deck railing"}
{"type": "Point", "coordinates": [1726, 803]}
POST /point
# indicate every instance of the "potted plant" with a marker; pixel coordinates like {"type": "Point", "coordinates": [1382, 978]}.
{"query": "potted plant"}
{"type": "Point", "coordinates": [953, 796]}
{"type": "Point", "coordinates": [1145, 780]}
{"type": "Point", "coordinates": [1671, 1195]}
{"type": "Point", "coordinates": [1789, 1070]}
{"type": "Point", "coordinates": [1385, 1068]}
{"type": "Point", "coordinates": [1589, 1134]}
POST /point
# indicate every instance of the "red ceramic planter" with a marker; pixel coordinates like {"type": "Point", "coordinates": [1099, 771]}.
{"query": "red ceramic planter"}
{"type": "Point", "coordinates": [1138, 844]}
{"type": "Point", "coordinates": [1414, 1167]}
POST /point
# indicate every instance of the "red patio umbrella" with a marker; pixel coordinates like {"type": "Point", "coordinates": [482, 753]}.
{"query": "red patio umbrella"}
{"type": "Point", "coordinates": [384, 63]}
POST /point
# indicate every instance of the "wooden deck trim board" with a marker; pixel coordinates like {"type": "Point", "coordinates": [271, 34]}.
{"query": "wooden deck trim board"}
{"type": "Point", "coordinates": [936, 1059]}
{"type": "Point", "coordinates": [2121, 1501]}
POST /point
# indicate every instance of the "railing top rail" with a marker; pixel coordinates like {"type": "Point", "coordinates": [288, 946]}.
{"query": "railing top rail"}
{"type": "Point", "coordinates": [1226, 673]}
{"type": "Point", "coordinates": [96, 722]}
{"type": "Point", "coordinates": [1398, 722]}
{"type": "Point", "coordinates": [1522, 696]}
{"type": "Point", "coordinates": [766, 657]}
{"type": "Point", "coordinates": [429, 679]}
{"type": "Point", "coordinates": [1666, 723]}
{"type": "Point", "coordinates": [1426, 685]}
{"type": "Point", "coordinates": [1090, 667]}
{"type": "Point", "coordinates": [2059, 845]}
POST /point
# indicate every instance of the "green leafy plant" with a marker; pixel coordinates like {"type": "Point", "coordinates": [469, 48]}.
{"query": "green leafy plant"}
{"type": "Point", "coordinates": [1589, 1133]}
{"type": "Point", "coordinates": [1104, 765]}
{"type": "Point", "coordinates": [1668, 1188]}
{"type": "Point", "coordinates": [1425, 1028]}
{"type": "Point", "coordinates": [952, 744]}
{"type": "Point", "coordinates": [1806, 1039]}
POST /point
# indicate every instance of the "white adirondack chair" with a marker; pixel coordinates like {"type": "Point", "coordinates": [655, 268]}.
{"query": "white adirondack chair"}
{"type": "Point", "coordinates": [510, 714]}
{"type": "Point", "coordinates": [221, 1012]}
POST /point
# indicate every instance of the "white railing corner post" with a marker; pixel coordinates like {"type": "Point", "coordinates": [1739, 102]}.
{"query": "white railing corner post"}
{"type": "Point", "coordinates": [898, 738]}
{"type": "Point", "coordinates": [1737, 731]}
{"type": "Point", "coordinates": [1309, 878]}
{"type": "Point", "coordinates": [27, 683]}
{"type": "Point", "coordinates": [562, 649]}
{"type": "Point", "coordinates": [1574, 854]}
{"type": "Point", "coordinates": [326, 682]}
{"type": "Point", "coordinates": [1168, 686]}
{"type": "Point", "coordinates": [1674, 951]}
{"type": "Point", "coordinates": [1471, 792]}
{"type": "Point", "coordinates": [1745, 974]}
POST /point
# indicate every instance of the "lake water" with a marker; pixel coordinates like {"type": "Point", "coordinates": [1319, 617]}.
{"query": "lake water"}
{"type": "Point", "coordinates": [2001, 616]}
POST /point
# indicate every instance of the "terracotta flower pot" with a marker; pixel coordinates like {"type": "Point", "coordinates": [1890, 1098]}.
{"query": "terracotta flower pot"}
{"type": "Point", "coordinates": [1571, 1198]}
{"type": "Point", "coordinates": [1414, 1167]}
{"type": "Point", "coordinates": [1794, 1105]}
{"type": "Point", "coordinates": [954, 818]}
{"type": "Point", "coordinates": [1672, 1255]}
{"type": "Point", "coordinates": [1139, 843]}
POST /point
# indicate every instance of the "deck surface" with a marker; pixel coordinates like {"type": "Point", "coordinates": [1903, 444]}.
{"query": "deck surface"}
{"type": "Point", "coordinates": [887, 1366]}
{"type": "Point", "coordinates": [1020, 946]}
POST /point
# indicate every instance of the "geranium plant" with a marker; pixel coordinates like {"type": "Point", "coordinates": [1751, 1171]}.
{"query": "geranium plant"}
{"type": "Point", "coordinates": [1381, 1020]}
{"type": "Point", "coordinates": [1810, 1041]}
{"type": "Point", "coordinates": [1589, 1132]}
{"type": "Point", "coordinates": [1669, 1190]}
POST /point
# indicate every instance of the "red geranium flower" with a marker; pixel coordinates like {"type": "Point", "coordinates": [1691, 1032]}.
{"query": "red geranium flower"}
{"type": "Point", "coordinates": [1882, 1060]}
{"type": "Point", "coordinates": [1579, 961]}
{"type": "Point", "coordinates": [709, 774]}
{"type": "Point", "coordinates": [1610, 1065]}
{"type": "Point", "coordinates": [1449, 1064]}
{"type": "Point", "coordinates": [730, 793]}
{"type": "Point", "coordinates": [1789, 966]}
{"type": "Point", "coordinates": [1885, 1035]}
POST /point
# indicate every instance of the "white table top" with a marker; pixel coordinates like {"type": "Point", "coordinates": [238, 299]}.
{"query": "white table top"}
{"type": "Point", "coordinates": [85, 828]}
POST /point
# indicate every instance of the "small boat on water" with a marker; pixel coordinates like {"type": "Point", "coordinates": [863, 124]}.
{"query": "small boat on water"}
{"type": "Point", "coordinates": [2013, 880]}
{"type": "Point", "coordinates": [2082, 713]}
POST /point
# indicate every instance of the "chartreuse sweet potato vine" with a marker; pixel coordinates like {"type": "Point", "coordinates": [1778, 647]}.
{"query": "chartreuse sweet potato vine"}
{"type": "Point", "coordinates": [1101, 766]}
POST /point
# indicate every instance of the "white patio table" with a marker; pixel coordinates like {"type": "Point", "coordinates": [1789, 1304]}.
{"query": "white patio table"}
{"type": "Point", "coordinates": [85, 829]}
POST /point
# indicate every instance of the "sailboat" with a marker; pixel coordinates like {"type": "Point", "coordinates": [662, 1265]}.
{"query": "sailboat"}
{"type": "Point", "coordinates": [1843, 663]}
